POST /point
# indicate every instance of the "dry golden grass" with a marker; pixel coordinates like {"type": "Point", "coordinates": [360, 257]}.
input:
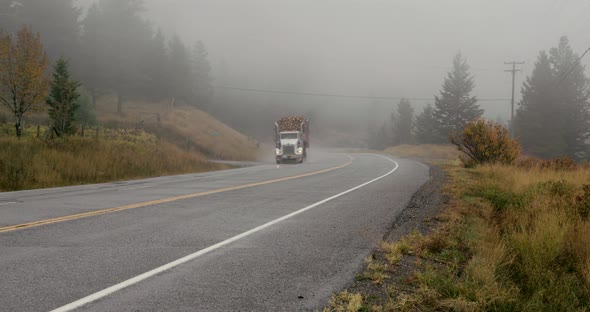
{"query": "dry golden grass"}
{"type": "Point", "coordinates": [345, 302]}
{"type": "Point", "coordinates": [516, 180]}
{"type": "Point", "coordinates": [532, 242]}
{"type": "Point", "coordinates": [178, 140]}
{"type": "Point", "coordinates": [512, 239]}
{"type": "Point", "coordinates": [425, 151]}
{"type": "Point", "coordinates": [184, 126]}
{"type": "Point", "coordinates": [30, 163]}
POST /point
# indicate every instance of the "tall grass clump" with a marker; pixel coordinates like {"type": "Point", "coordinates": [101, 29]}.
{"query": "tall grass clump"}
{"type": "Point", "coordinates": [533, 236]}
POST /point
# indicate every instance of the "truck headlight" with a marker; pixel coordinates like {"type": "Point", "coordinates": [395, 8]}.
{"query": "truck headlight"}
{"type": "Point", "coordinates": [278, 151]}
{"type": "Point", "coordinates": [299, 150]}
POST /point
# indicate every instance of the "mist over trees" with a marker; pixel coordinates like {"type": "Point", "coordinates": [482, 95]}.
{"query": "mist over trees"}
{"type": "Point", "coordinates": [455, 106]}
{"type": "Point", "coordinates": [452, 110]}
{"type": "Point", "coordinates": [113, 48]}
{"type": "Point", "coordinates": [57, 20]}
{"type": "Point", "coordinates": [403, 123]}
{"type": "Point", "coordinates": [426, 130]}
{"type": "Point", "coordinates": [553, 118]}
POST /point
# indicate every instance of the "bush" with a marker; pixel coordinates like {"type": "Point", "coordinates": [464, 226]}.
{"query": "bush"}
{"type": "Point", "coordinates": [485, 142]}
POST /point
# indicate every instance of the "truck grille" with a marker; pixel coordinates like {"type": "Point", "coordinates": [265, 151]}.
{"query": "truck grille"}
{"type": "Point", "coordinates": [289, 149]}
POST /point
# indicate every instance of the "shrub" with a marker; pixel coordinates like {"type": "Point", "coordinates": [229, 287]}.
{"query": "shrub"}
{"type": "Point", "coordinates": [485, 142]}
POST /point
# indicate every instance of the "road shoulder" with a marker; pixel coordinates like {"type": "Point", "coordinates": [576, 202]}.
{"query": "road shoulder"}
{"type": "Point", "coordinates": [418, 218]}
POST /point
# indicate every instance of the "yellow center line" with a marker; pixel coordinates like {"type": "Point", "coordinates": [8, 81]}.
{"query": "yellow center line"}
{"type": "Point", "coordinates": [161, 201]}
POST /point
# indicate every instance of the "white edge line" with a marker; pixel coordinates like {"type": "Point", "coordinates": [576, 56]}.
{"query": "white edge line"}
{"type": "Point", "coordinates": [8, 203]}
{"type": "Point", "coordinates": [110, 290]}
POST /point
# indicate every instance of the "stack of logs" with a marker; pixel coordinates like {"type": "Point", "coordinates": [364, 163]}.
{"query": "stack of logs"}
{"type": "Point", "coordinates": [291, 123]}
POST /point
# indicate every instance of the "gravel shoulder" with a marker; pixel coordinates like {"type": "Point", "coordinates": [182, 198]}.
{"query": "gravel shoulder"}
{"type": "Point", "coordinates": [419, 216]}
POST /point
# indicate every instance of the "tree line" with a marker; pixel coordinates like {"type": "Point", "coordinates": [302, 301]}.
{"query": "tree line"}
{"type": "Point", "coordinates": [552, 119]}
{"type": "Point", "coordinates": [25, 86]}
{"type": "Point", "coordinates": [112, 48]}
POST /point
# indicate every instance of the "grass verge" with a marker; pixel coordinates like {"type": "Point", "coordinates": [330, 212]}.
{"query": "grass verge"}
{"type": "Point", "coordinates": [430, 152]}
{"type": "Point", "coordinates": [512, 238]}
{"type": "Point", "coordinates": [119, 154]}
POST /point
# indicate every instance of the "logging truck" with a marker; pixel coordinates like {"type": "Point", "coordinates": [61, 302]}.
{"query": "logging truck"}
{"type": "Point", "coordinates": [291, 139]}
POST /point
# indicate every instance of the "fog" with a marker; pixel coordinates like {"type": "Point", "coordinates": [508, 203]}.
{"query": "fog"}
{"type": "Point", "coordinates": [377, 48]}
{"type": "Point", "coordinates": [371, 47]}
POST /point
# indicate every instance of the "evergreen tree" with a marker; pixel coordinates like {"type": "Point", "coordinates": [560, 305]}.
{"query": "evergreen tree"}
{"type": "Point", "coordinates": [455, 106]}
{"type": "Point", "coordinates": [117, 36]}
{"type": "Point", "coordinates": [572, 96]}
{"type": "Point", "coordinates": [379, 137]}
{"type": "Point", "coordinates": [180, 74]}
{"type": "Point", "coordinates": [426, 127]}
{"type": "Point", "coordinates": [538, 124]}
{"type": "Point", "coordinates": [63, 99]}
{"type": "Point", "coordinates": [553, 117]}
{"type": "Point", "coordinates": [202, 74]}
{"type": "Point", "coordinates": [156, 69]}
{"type": "Point", "coordinates": [403, 123]}
{"type": "Point", "coordinates": [93, 42]}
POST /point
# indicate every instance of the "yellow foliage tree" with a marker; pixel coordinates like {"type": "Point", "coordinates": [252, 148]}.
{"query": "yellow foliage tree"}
{"type": "Point", "coordinates": [485, 142]}
{"type": "Point", "coordinates": [24, 82]}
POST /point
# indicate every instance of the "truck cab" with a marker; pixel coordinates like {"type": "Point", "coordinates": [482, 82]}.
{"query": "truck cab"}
{"type": "Point", "coordinates": [291, 139]}
{"type": "Point", "coordinates": [290, 146]}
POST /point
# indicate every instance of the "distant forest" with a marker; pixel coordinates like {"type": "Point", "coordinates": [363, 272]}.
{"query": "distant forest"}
{"type": "Point", "coordinates": [113, 49]}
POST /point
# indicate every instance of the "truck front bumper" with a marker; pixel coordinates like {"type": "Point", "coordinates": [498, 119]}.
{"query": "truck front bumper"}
{"type": "Point", "coordinates": [289, 157]}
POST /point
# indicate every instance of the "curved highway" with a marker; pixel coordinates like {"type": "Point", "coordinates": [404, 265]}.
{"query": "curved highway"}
{"type": "Point", "coordinates": [262, 238]}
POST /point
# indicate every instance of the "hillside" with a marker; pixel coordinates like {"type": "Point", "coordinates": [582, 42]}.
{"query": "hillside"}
{"type": "Point", "coordinates": [147, 140]}
{"type": "Point", "coordinates": [184, 126]}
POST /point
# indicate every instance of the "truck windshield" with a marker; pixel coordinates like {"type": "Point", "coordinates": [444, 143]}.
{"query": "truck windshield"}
{"type": "Point", "coordinates": [289, 136]}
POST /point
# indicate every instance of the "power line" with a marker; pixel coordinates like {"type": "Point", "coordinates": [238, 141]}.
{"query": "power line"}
{"type": "Point", "coordinates": [342, 95]}
{"type": "Point", "coordinates": [563, 77]}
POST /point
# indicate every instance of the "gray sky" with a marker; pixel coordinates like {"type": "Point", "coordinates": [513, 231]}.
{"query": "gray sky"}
{"type": "Point", "coordinates": [380, 47]}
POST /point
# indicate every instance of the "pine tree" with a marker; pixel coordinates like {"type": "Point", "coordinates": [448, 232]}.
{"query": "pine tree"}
{"type": "Point", "coordinates": [202, 73]}
{"type": "Point", "coordinates": [539, 122]}
{"type": "Point", "coordinates": [455, 106]}
{"type": "Point", "coordinates": [117, 37]}
{"type": "Point", "coordinates": [426, 127]}
{"type": "Point", "coordinates": [156, 69]}
{"type": "Point", "coordinates": [403, 123]}
{"type": "Point", "coordinates": [180, 74]}
{"type": "Point", "coordinates": [90, 57]}
{"type": "Point", "coordinates": [553, 117]}
{"type": "Point", "coordinates": [63, 99]}
{"type": "Point", "coordinates": [572, 97]}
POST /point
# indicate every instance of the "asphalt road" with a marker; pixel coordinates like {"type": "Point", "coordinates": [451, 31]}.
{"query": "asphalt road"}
{"type": "Point", "coordinates": [263, 238]}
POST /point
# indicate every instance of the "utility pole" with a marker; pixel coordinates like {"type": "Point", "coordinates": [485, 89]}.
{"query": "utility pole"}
{"type": "Point", "coordinates": [513, 71]}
